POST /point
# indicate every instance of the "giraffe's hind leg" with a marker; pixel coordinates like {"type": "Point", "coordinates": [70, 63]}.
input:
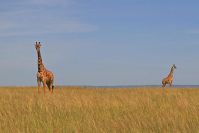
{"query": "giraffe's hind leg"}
{"type": "Point", "coordinates": [50, 86]}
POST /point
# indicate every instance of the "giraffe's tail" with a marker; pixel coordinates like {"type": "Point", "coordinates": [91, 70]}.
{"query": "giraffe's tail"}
{"type": "Point", "coordinates": [53, 87]}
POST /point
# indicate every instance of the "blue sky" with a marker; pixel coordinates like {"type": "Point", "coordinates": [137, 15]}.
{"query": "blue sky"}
{"type": "Point", "coordinates": [100, 42]}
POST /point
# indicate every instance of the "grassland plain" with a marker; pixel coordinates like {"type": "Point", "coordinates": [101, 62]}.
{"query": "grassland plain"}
{"type": "Point", "coordinates": [88, 110]}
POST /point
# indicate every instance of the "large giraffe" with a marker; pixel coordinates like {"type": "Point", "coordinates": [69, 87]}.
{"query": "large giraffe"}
{"type": "Point", "coordinates": [169, 78]}
{"type": "Point", "coordinates": [43, 75]}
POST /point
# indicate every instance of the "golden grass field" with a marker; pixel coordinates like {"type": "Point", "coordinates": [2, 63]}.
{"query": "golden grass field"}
{"type": "Point", "coordinates": [90, 110]}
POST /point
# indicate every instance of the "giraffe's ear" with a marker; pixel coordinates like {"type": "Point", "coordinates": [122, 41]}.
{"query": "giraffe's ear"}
{"type": "Point", "coordinates": [174, 66]}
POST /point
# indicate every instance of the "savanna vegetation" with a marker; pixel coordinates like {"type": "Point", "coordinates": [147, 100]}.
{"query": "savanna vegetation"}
{"type": "Point", "coordinates": [88, 110]}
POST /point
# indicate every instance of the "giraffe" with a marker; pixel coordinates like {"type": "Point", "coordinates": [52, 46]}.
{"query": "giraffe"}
{"type": "Point", "coordinates": [169, 78]}
{"type": "Point", "coordinates": [43, 75]}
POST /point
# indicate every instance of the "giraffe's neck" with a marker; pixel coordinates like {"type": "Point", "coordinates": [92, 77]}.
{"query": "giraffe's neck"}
{"type": "Point", "coordinates": [40, 64]}
{"type": "Point", "coordinates": [171, 72]}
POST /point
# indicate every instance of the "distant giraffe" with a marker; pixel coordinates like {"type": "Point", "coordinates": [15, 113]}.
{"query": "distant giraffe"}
{"type": "Point", "coordinates": [43, 75]}
{"type": "Point", "coordinates": [169, 78]}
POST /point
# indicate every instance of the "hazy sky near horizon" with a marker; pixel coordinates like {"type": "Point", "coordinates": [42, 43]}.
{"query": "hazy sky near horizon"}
{"type": "Point", "coordinates": [100, 42]}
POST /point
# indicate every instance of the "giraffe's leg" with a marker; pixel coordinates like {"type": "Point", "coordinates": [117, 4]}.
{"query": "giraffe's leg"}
{"type": "Point", "coordinates": [44, 86]}
{"type": "Point", "coordinates": [166, 82]}
{"type": "Point", "coordinates": [39, 85]}
{"type": "Point", "coordinates": [48, 85]}
{"type": "Point", "coordinates": [51, 87]}
{"type": "Point", "coordinates": [170, 83]}
{"type": "Point", "coordinates": [163, 83]}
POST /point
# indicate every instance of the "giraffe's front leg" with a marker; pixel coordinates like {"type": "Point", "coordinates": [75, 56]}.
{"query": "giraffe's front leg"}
{"type": "Point", "coordinates": [44, 86]}
{"type": "Point", "coordinates": [163, 83]}
{"type": "Point", "coordinates": [39, 85]}
{"type": "Point", "coordinates": [171, 82]}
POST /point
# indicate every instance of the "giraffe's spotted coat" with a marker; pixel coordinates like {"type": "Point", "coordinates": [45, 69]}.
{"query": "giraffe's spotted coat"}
{"type": "Point", "coordinates": [169, 78]}
{"type": "Point", "coordinates": [44, 76]}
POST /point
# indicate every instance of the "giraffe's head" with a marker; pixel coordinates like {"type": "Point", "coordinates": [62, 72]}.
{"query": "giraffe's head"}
{"type": "Point", "coordinates": [174, 66]}
{"type": "Point", "coordinates": [37, 46]}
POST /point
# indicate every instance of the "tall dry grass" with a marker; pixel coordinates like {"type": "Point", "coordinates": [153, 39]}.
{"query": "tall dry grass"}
{"type": "Point", "coordinates": [76, 109]}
